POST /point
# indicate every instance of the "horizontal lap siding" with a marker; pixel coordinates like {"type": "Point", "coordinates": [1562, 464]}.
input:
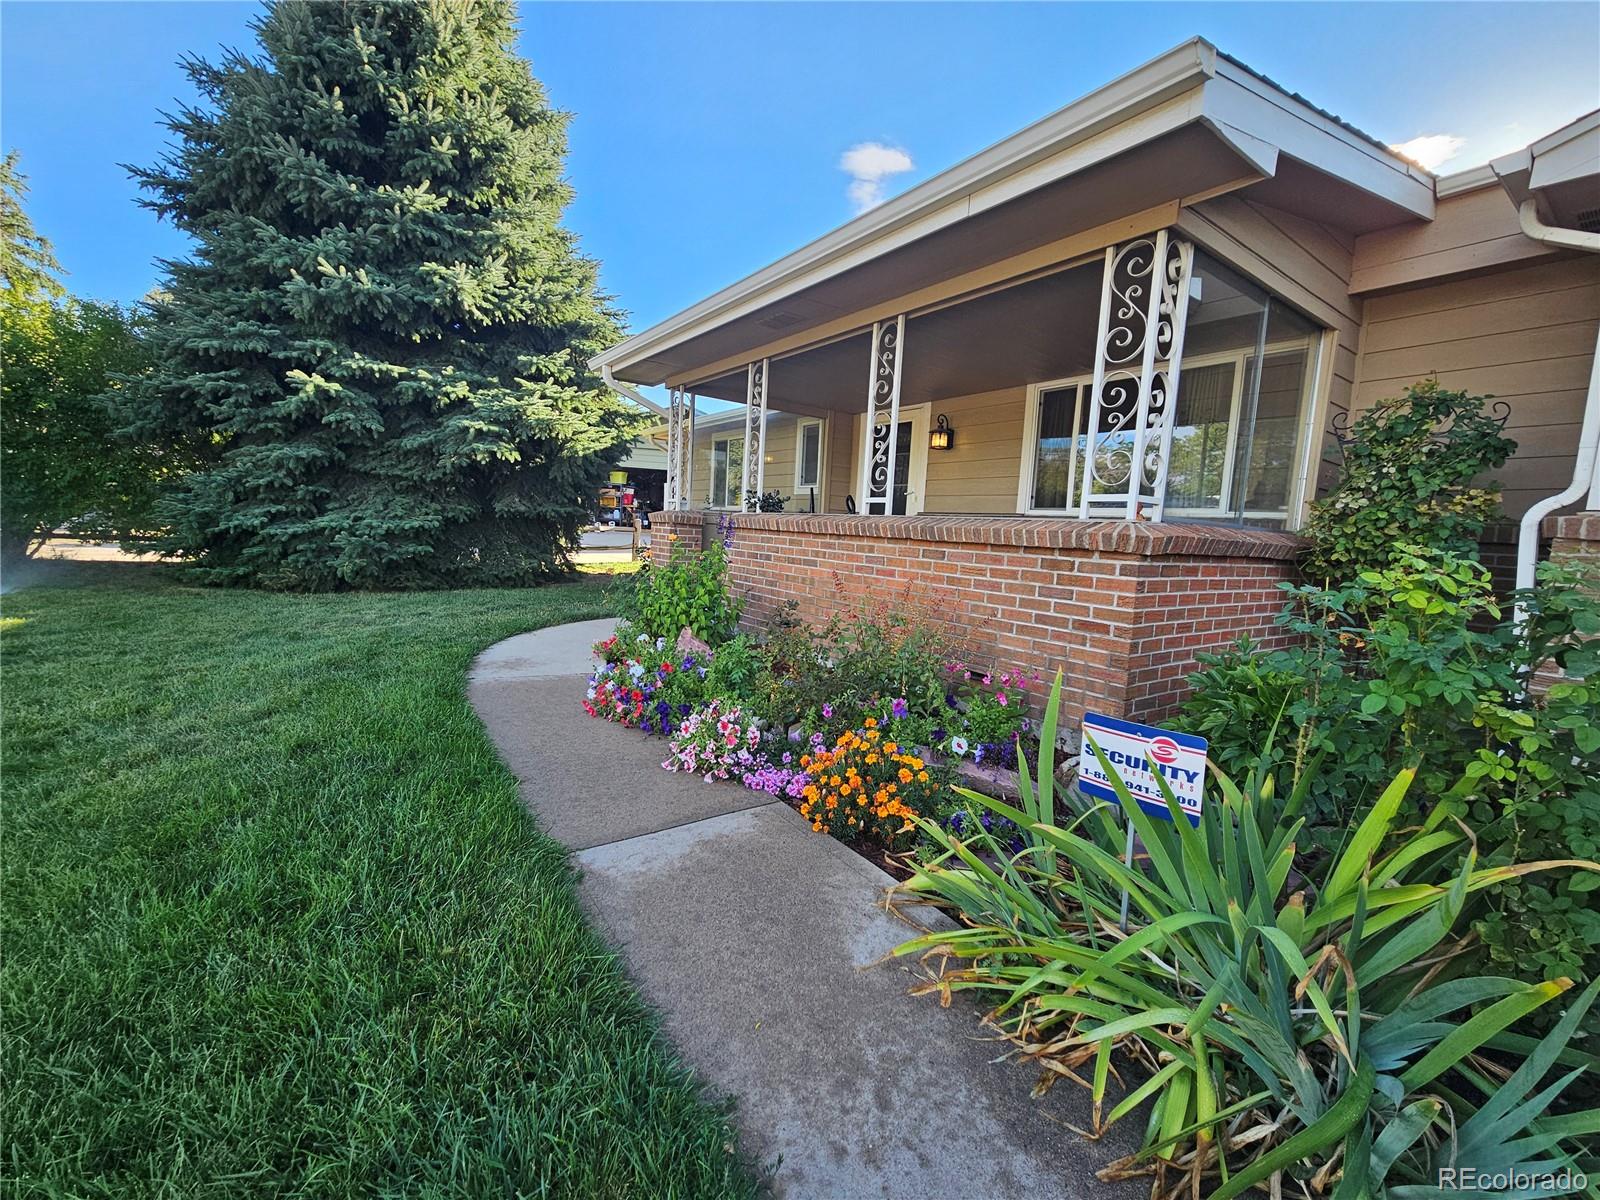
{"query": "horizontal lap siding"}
{"type": "Point", "coordinates": [1525, 335]}
{"type": "Point", "coordinates": [978, 474]}
{"type": "Point", "coordinates": [1471, 231]}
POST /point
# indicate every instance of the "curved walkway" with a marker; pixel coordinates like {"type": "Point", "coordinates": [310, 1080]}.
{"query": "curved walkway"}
{"type": "Point", "coordinates": [754, 938]}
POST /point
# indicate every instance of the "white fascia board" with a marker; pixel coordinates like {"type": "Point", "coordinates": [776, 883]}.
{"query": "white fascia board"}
{"type": "Point", "coordinates": [938, 201]}
{"type": "Point", "coordinates": [1238, 99]}
{"type": "Point", "coordinates": [1471, 180]}
{"type": "Point", "coordinates": [1588, 123]}
{"type": "Point", "coordinates": [1568, 154]}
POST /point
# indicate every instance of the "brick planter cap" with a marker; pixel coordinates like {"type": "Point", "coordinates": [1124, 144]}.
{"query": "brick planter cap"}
{"type": "Point", "coordinates": [1143, 538]}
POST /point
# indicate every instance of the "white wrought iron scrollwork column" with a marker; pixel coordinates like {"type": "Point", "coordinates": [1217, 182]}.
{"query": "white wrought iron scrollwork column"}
{"type": "Point", "coordinates": [675, 490]}
{"type": "Point", "coordinates": [883, 414]}
{"type": "Point", "coordinates": [755, 434]}
{"type": "Point", "coordinates": [1144, 305]}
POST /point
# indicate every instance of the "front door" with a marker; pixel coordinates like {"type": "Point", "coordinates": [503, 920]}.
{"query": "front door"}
{"type": "Point", "coordinates": [910, 459]}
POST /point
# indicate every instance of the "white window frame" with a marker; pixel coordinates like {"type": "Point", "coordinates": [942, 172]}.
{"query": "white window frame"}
{"type": "Point", "coordinates": [711, 475]}
{"type": "Point", "coordinates": [1030, 447]}
{"type": "Point", "coordinates": [1312, 344]}
{"type": "Point", "coordinates": [800, 485]}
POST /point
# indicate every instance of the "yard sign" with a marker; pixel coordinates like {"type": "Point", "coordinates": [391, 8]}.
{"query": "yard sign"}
{"type": "Point", "coordinates": [1139, 753]}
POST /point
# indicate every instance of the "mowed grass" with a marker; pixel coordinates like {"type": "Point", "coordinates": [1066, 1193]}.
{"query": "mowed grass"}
{"type": "Point", "coordinates": [276, 924]}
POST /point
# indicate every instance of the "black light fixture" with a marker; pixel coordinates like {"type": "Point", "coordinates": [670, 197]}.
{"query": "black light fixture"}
{"type": "Point", "coordinates": [942, 437]}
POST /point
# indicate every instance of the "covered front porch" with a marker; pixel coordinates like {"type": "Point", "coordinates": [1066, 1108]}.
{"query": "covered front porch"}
{"type": "Point", "coordinates": [1145, 380]}
{"type": "Point", "coordinates": [1091, 469]}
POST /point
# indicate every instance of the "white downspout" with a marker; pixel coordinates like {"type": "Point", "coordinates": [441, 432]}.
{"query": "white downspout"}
{"type": "Point", "coordinates": [628, 391]}
{"type": "Point", "coordinates": [1583, 470]}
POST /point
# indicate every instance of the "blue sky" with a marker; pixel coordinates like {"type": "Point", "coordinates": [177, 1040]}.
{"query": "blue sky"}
{"type": "Point", "coordinates": [707, 139]}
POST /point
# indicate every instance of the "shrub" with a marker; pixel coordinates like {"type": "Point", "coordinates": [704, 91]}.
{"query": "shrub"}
{"type": "Point", "coordinates": [1238, 702]}
{"type": "Point", "coordinates": [867, 789]}
{"type": "Point", "coordinates": [689, 592]}
{"type": "Point", "coordinates": [1409, 464]}
{"type": "Point", "coordinates": [1286, 1028]}
{"type": "Point", "coordinates": [1404, 665]}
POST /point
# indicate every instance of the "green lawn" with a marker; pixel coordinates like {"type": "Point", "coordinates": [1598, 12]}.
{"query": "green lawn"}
{"type": "Point", "coordinates": [276, 924]}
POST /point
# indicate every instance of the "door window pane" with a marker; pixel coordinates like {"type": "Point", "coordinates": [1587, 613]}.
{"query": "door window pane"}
{"type": "Point", "coordinates": [902, 463]}
{"type": "Point", "coordinates": [1201, 428]}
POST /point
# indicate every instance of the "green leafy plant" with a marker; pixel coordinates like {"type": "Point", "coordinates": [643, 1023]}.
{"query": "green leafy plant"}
{"type": "Point", "coordinates": [689, 591]}
{"type": "Point", "coordinates": [62, 462]}
{"type": "Point", "coordinates": [1408, 663]}
{"type": "Point", "coordinates": [1409, 466]}
{"type": "Point", "coordinates": [1301, 1035]}
{"type": "Point", "coordinates": [767, 502]}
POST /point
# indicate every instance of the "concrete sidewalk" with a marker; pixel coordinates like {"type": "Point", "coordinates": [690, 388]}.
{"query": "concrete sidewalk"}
{"type": "Point", "coordinates": [761, 943]}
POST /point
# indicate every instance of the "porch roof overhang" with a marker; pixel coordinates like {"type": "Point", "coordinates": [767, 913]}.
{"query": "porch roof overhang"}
{"type": "Point", "coordinates": [1190, 124]}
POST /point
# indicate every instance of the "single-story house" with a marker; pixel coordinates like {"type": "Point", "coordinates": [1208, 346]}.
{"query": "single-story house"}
{"type": "Point", "coordinates": [1074, 394]}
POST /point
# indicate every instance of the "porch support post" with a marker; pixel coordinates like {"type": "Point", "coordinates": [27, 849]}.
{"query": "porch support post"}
{"type": "Point", "coordinates": [883, 415]}
{"type": "Point", "coordinates": [1144, 304]}
{"type": "Point", "coordinates": [1161, 397]}
{"type": "Point", "coordinates": [686, 462]}
{"type": "Point", "coordinates": [755, 432]}
{"type": "Point", "coordinates": [675, 437]}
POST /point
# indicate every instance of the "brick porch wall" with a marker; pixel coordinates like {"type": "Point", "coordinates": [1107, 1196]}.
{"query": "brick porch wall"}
{"type": "Point", "coordinates": [1576, 537]}
{"type": "Point", "coordinates": [1123, 607]}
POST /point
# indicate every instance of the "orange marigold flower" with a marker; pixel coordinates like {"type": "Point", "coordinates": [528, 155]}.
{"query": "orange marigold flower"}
{"type": "Point", "coordinates": [872, 722]}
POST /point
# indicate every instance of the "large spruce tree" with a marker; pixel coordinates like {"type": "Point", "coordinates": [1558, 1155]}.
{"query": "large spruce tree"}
{"type": "Point", "coordinates": [383, 328]}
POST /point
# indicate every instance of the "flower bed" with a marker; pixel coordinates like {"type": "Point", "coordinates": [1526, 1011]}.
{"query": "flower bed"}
{"type": "Point", "coordinates": [863, 726]}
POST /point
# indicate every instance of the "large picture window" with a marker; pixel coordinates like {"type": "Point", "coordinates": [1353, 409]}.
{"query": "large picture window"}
{"type": "Point", "coordinates": [1238, 419]}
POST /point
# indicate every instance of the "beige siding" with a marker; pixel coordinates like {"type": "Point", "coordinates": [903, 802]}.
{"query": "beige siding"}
{"type": "Point", "coordinates": [1524, 335]}
{"type": "Point", "coordinates": [782, 429]}
{"type": "Point", "coordinates": [1473, 231]}
{"type": "Point", "coordinates": [979, 473]}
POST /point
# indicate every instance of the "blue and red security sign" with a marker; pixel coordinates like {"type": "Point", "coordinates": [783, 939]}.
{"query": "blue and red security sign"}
{"type": "Point", "coordinates": [1139, 753]}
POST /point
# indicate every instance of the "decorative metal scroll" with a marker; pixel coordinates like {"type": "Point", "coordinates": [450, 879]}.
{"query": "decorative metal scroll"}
{"type": "Point", "coordinates": [755, 430]}
{"type": "Point", "coordinates": [680, 450]}
{"type": "Point", "coordinates": [1339, 424]}
{"type": "Point", "coordinates": [676, 436]}
{"type": "Point", "coordinates": [1138, 349]}
{"type": "Point", "coordinates": [883, 414]}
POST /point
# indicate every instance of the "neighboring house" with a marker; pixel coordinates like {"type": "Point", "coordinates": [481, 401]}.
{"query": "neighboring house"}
{"type": "Point", "coordinates": [1079, 386]}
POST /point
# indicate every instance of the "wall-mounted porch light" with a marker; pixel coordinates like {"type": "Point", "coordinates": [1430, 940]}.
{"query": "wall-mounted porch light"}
{"type": "Point", "coordinates": [942, 437]}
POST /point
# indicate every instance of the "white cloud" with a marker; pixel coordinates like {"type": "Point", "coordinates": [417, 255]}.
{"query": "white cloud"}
{"type": "Point", "coordinates": [1431, 151]}
{"type": "Point", "coordinates": [868, 164]}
